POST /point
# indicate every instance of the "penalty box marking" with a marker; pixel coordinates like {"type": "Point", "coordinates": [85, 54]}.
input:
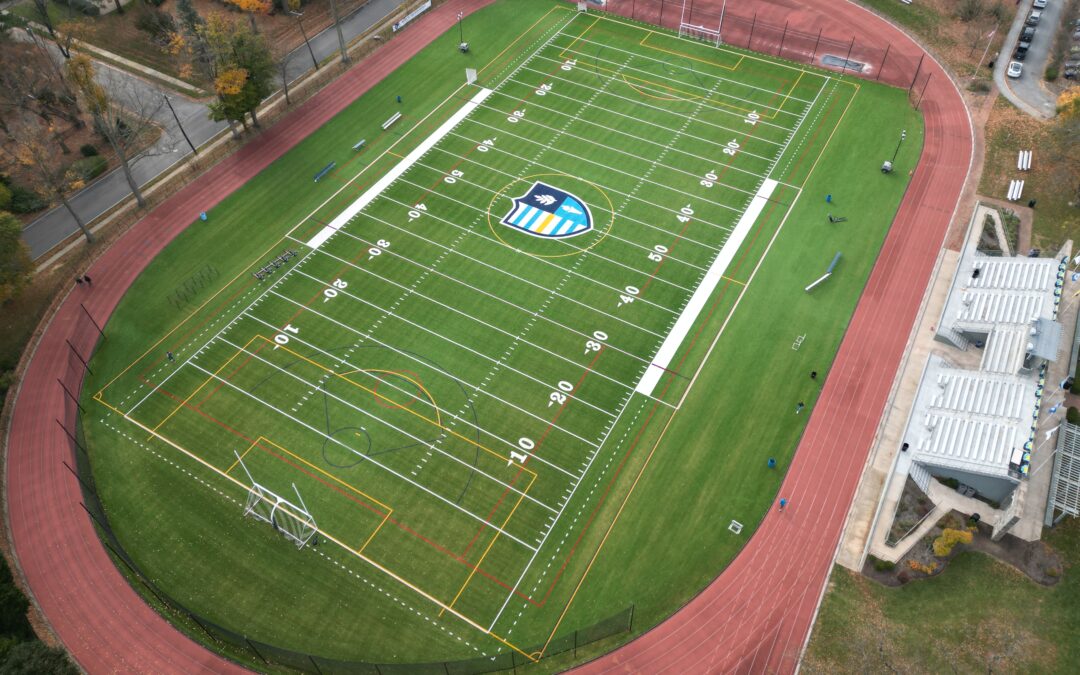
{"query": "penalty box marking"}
{"type": "Point", "coordinates": [397, 171]}
{"type": "Point", "coordinates": [704, 290]}
{"type": "Point", "coordinates": [387, 510]}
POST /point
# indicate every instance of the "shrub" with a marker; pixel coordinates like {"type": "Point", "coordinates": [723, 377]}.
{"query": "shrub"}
{"type": "Point", "coordinates": [84, 6]}
{"type": "Point", "coordinates": [1072, 415]}
{"type": "Point", "coordinates": [155, 3]}
{"type": "Point", "coordinates": [25, 201]}
{"type": "Point", "coordinates": [920, 567]}
{"type": "Point", "coordinates": [949, 538]}
{"type": "Point", "coordinates": [1053, 572]}
{"type": "Point", "coordinates": [88, 150]}
{"type": "Point", "coordinates": [950, 482]}
{"type": "Point", "coordinates": [903, 577]}
{"type": "Point", "coordinates": [5, 197]}
{"type": "Point", "coordinates": [90, 167]}
{"type": "Point", "coordinates": [980, 86]}
{"type": "Point", "coordinates": [969, 10]}
{"type": "Point", "coordinates": [1051, 73]}
{"type": "Point", "coordinates": [882, 565]}
{"type": "Point", "coordinates": [156, 23]}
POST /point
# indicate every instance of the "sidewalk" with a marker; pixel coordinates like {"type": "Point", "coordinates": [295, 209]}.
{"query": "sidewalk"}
{"type": "Point", "coordinates": [56, 225]}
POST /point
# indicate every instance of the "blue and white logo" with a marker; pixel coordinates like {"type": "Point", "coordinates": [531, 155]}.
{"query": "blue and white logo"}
{"type": "Point", "coordinates": [545, 211]}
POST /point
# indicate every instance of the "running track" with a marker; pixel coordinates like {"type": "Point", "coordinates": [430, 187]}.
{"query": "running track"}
{"type": "Point", "coordinates": [753, 618]}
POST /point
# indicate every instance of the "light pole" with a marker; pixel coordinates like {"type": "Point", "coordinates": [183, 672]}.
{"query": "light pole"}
{"type": "Point", "coordinates": [461, 34]}
{"type": "Point", "coordinates": [300, 23]}
{"type": "Point", "coordinates": [180, 126]}
{"type": "Point", "coordinates": [903, 135]}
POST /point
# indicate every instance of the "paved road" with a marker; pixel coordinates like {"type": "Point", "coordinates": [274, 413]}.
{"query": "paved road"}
{"type": "Point", "coordinates": [1028, 92]}
{"type": "Point", "coordinates": [57, 225]}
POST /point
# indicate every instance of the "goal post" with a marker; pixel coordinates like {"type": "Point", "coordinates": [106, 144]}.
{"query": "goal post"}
{"type": "Point", "coordinates": [291, 520]}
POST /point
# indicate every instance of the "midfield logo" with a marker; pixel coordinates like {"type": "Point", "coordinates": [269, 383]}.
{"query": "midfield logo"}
{"type": "Point", "coordinates": [545, 211]}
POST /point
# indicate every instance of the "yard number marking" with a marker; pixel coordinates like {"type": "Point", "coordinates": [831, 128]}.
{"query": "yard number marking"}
{"type": "Point", "coordinates": [332, 292]}
{"type": "Point", "coordinates": [283, 339]}
{"type": "Point", "coordinates": [416, 212]}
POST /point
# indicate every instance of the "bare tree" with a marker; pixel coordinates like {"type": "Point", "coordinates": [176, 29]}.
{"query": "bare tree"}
{"type": "Point", "coordinates": [124, 117]}
{"type": "Point", "coordinates": [283, 56]}
{"type": "Point", "coordinates": [30, 82]}
{"type": "Point", "coordinates": [53, 179]}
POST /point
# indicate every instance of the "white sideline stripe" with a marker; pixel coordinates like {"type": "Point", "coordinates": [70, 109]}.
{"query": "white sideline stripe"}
{"type": "Point", "coordinates": [704, 290]}
{"type": "Point", "coordinates": [400, 168]}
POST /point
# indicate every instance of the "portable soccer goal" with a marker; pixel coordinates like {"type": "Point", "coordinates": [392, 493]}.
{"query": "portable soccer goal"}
{"type": "Point", "coordinates": [292, 521]}
{"type": "Point", "coordinates": [700, 31]}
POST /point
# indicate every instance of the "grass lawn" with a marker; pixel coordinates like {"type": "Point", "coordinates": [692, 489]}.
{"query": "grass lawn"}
{"type": "Point", "coordinates": [463, 406]}
{"type": "Point", "coordinates": [1008, 131]}
{"type": "Point", "coordinates": [978, 615]}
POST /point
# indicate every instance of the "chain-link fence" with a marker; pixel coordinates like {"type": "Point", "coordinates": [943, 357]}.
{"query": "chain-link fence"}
{"type": "Point", "coordinates": [847, 53]}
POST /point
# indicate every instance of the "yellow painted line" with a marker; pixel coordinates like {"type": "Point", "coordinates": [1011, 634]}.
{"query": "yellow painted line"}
{"type": "Point", "coordinates": [734, 281]}
{"type": "Point", "coordinates": [583, 34]}
{"type": "Point", "coordinates": [328, 537]}
{"type": "Point", "coordinates": [526, 32]}
{"type": "Point", "coordinates": [502, 527]}
{"type": "Point", "coordinates": [376, 394]}
{"type": "Point", "coordinates": [652, 451]}
{"type": "Point", "coordinates": [415, 383]}
{"type": "Point", "coordinates": [205, 382]}
{"type": "Point", "coordinates": [243, 455]}
{"type": "Point", "coordinates": [650, 33]}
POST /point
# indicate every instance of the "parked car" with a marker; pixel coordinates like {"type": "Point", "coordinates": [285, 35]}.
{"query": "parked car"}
{"type": "Point", "coordinates": [1015, 69]}
{"type": "Point", "coordinates": [1020, 54]}
{"type": "Point", "coordinates": [1034, 17]}
{"type": "Point", "coordinates": [1039, 4]}
{"type": "Point", "coordinates": [1026, 36]}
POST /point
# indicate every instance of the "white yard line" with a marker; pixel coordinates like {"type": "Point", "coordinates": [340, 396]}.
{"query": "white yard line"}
{"type": "Point", "coordinates": [598, 209]}
{"type": "Point", "coordinates": [681, 83]}
{"type": "Point", "coordinates": [704, 291]}
{"type": "Point", "coordinates": [477, 320]}
{"type": "Point", "coordinates": [290, 374]}
{"type": "Point", "coordinates": [529, 120]}
{"type": "Point", "coordinates": [637, 102]}
{"type": "Point", "coordinates": [422, 399]}
{"type": "Point", "coordinates": [400, 168]}
{"type": "Point", "coordinates": [224, 328]}
{"type": "Point", "coordinates": [479, 291]}
{"type": "Point", "coordinates": [493, 268]}
{"type": "Point", "coordinates": [365, 457]}
{"type": "Point", "coordinates": [615, 289]}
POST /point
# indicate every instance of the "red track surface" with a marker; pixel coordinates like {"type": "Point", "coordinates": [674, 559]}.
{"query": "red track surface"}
{"type": "Point", "coordinates": [757, 614]}
{"type": "Point", "coordinates": [753, 618]}
{"type": "Point", "coordinates": [103, 623]}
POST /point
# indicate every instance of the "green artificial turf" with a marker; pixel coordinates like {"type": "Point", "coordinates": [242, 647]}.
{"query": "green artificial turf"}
{"type": "Point", "coordinates": [459, 414]}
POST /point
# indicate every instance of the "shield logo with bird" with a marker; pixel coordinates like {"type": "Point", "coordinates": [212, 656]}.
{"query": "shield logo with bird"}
{"type": "Point", "coordinates": [546, 211]}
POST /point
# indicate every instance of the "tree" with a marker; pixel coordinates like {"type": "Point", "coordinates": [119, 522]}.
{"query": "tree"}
{"type": "Point", "coordinates": [124, 121]}
{"type": "Point", "coordinates": [52, 178]}
{"type": "Point", "coordinates": [340, 35]}
{"type": "Point", "coordinates": [283, 56]}
{"type": "Point", "coordinates": [31, 81]}
{"type": "Point", "coordinates": [253, 7]}
{"type": "Point", "coordinates": [243, 70]}
{"type": "Point", "coordinates": [15, 263]}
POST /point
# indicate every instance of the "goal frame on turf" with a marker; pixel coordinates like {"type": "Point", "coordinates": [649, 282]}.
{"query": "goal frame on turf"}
{"type": "Point", "coordinates": [699, 31]}
{"type": "Point", "coordinates": [291, 520]}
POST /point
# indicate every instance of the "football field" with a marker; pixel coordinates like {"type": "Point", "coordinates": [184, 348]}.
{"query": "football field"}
{"type": "Point", "coordinates": [435, 372]}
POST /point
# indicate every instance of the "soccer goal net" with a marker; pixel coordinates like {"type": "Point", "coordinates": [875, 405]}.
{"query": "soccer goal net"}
{"type": "Point", "coordinates": [291, 521]}
{"type": "Point", "coordinates": [699, 32]}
